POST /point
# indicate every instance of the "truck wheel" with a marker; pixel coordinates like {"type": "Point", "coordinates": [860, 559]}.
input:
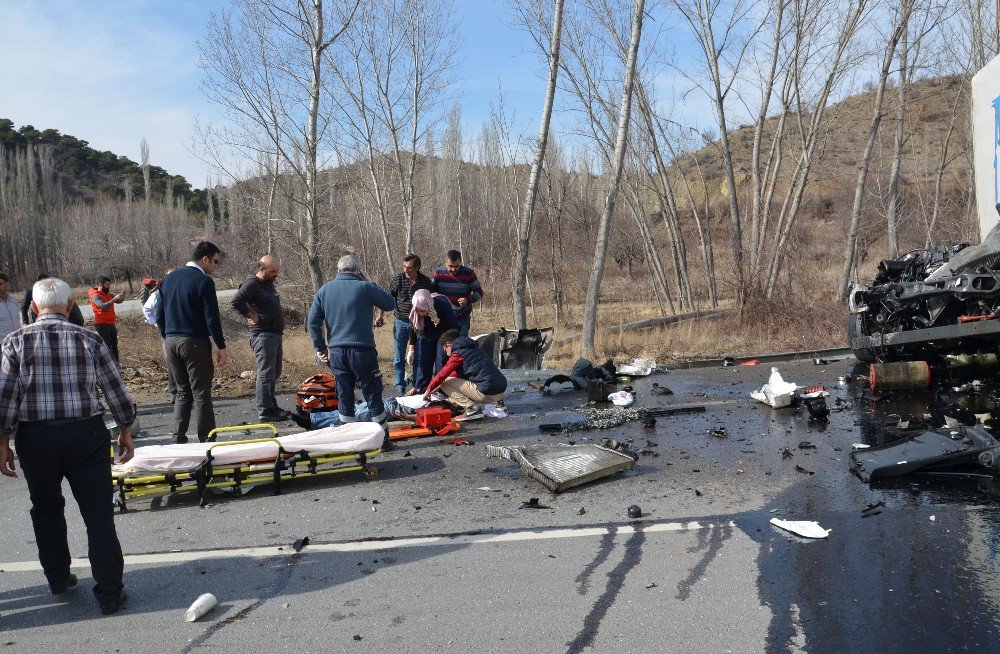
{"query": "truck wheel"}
{"type": "Point", "coordinates": [856, 328]}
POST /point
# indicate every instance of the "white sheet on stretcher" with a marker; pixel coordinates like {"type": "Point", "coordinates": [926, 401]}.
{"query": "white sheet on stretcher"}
{"type": "Point", "coordinates": [357, 437]}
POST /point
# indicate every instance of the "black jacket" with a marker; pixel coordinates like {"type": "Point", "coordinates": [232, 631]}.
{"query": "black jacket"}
{"type": "Point", "coordinates": [478, 367]}
{"type": "Point", "coordinates": [263, 299]}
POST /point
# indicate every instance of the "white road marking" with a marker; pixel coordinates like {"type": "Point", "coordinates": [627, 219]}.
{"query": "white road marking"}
{"type": "Point", "coordinates": [376, 545]}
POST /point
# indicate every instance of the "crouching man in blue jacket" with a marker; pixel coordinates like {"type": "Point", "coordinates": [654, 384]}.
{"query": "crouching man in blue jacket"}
{"type": "Point", "coordinates": [345, 306]}
{"type": "Point", "coordinates": [469, 377]}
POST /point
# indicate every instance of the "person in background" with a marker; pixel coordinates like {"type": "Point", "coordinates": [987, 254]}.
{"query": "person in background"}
{"type": "Point", "coordinates": [105, 321]}
{"type": "Point", "coordinates": [460, 285]}
{"type": "Point", "coordinates": [50, 373]}
{"type": "Point", "coordinates": [28, 315]}
{"type": "Point", "coordinates": [431, 316]}
{"type": "Point", "coordinates": [401, 288]}
{"type": "Point", "coordinates": [149, 313]}
{"type": "Point", "coordinates": [258, 301]}
{"type": "Point", "coordinates": [10, 316]}
{"type": "Point", "coordinates": [188, 318]}
{"type": "Point", "coordinates": [469, 378]}
{"type": "Point", "coordinates": [345, 308]}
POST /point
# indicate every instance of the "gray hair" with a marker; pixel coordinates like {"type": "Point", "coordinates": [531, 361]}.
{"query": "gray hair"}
{"type": "Point", "coordinates": [51, 293]}
{"type": "Point", "coordinates": [349, 263]}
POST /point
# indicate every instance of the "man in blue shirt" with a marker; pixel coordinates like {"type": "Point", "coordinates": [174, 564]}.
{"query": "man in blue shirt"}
{"type": "Point", "coordinates": [345, 307]}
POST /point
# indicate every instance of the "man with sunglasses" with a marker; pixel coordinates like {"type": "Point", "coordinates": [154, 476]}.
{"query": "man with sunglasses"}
{"type": "Point", "coordinates": [188, 318]}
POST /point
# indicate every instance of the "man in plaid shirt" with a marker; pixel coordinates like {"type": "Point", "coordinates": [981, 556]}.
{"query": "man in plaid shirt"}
{"type": "Point", "coordinates": [49, 375]}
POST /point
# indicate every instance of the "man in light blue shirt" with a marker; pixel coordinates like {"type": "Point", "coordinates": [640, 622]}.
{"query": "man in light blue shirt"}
{"type": "Point", "coordinates": [345, 308]}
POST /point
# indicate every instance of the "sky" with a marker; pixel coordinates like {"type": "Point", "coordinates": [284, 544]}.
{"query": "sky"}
{"type": "Point", "coordinates": [113, 72]}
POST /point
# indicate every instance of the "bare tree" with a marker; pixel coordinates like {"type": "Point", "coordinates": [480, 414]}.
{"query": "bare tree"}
{"type": "Point", "coordinates": [621, 142]}
{"type": "Point", "coordinates": [524, 226]}
{"type": "Point", "coordinates": [144, 158]}
{"type": "Point", "coordinates": [265, 64]}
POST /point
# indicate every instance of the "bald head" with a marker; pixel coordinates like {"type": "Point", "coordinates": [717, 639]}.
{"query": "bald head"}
{"type": "Point", "coordinates": [267, 268]}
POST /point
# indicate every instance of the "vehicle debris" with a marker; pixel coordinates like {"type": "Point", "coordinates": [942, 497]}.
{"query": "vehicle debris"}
{"type": "Point", "coordinates": [803, 470]}
{"type": "Point", "coordinates": [899, 376]}
{"type": "Point", "coordinates": [935, 301]}
{"type": "Point", "coordinates": [615, 417]}
{"type": "Point", "coordinates": [806, 445]}
{"type": "Point", "coordinates": [660, 390]}
{"type": "Point", "coordinates": [558, 467]}
{"type": "Point", "coordinates": [776, 392]}
{"type": "Point", "coordinates": [634, 511]}
{"type": "Point", "coordinates": [300, 543]}
{"type": "Point", "coordinates": [718, 432]}
{"type": "Point", "coordinates": [804, 528]}
{"type": "Point", "coordinates": [928, 451]}
{"type": "Point", "coordinates": [873, 509]}
{"type": "Point", "coordinates": [532, 503]}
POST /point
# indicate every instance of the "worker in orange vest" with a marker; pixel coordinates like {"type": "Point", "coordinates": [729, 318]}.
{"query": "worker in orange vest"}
{"type": "Point", "coordinates": [103, 303]}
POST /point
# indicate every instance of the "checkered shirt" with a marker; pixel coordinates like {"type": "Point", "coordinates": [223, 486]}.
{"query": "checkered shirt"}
{"type": "Point", "coordinates": [51, 370]}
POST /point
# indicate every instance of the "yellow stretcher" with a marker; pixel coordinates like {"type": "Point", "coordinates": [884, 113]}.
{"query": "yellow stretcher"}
{"type": "Point", "coordinates": [210, 473]}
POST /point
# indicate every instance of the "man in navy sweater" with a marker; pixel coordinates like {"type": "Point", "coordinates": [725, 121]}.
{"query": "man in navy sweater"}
{"type": "Point", "coordinates": [188, 318]}
{"type": "Point", "coordinates": [460, 285]}
{"type": "Point", "coordinates": [345, 307]}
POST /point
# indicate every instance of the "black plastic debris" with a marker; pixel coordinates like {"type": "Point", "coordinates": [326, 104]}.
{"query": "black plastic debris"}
{"type": "Point", "coordinates": [818, 410]}
{"type": "Point", "coordinates": [698, 493]}
{"type": "Point", "coordinates": [634, 511]}
{"type": "Point", "coordinates": [651, 584]}
{"type": "Point", "coordinates": [648, 422]}
{"type": "Point", "coordinates": [928, 451]}
{"type": "Point", "coordinates": [719, 432]}
{"type": "Point", "coordinates": [804, 471]}
{"type": "Point", "coordinates": [660, 390]}
{"type": "Point", "coordinates": [532, 503]}
{"type": "Point", "coordinates": [357, 636]}
{"type": "Point", "coordinates": [806, 445]}
{"type": "Point", "coordinates": [873, 509]}
{"type": "Point", "coordinates": [819, 362]}
{"type": "Point", "coordinates": [786, 454]}
{"type": "Point", "coordinates": [728, 362]}
{"type": "Point", "coordinates": [582, 511]}
{"type": "Point", "coordinates": [300, 543]}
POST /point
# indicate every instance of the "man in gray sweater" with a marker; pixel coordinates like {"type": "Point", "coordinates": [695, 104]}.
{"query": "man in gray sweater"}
{"type": "Point", "coordinates": [345, 307]}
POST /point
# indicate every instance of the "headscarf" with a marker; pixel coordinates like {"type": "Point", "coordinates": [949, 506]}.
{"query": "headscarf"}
{"type": "Point", "coordinates": [423, 300]}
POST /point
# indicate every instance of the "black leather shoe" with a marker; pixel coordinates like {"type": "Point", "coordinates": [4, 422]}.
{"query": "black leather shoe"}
{"type": "Point", "coordinates": [302, 420]}
{"type": "Point", "coordinates": [64, 588]}
{"type": "Point", "coordinates": [113, 606]}
{"type": "Point", "coordinates": [274, 415]}
{"type": "Point", "coordinates": [179, 440]}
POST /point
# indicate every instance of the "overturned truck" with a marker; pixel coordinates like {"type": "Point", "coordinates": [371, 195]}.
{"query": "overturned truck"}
{"type": "Point", "coordinates": [929, 303]}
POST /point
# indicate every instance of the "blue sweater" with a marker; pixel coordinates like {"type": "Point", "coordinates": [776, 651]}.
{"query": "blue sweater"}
{"type": "Point", "coordinates": [189, 307]}
{"type": "Point", "coordinates": [346, 306]}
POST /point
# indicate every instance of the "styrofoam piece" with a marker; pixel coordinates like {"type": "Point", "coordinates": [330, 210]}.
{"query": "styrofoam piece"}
{"type": "Point", "coordinates": [776, 392]}
{"type": "Point", "coordinates": [804, 528]}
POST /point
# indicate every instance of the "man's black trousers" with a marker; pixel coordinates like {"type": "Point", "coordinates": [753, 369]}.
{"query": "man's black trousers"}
{"type": "Point", "coordinates": [79, 452]}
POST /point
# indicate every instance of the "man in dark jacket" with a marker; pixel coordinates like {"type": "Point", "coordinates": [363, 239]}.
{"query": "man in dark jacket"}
{"type": "Point", "coordinates": [460, 285]}
{"type": "Point", "coordinates": [469, 378]}
{"type": "Point", "coordinates": [188, 318]}
{"type": "Point", "coordinates": [401, 288]}
{"type": "Point", "coordinates": [258, 301]}
{"type": "Point", "coordinates": [345, 307]}
{"type": "Point", "coordinates": [29, 315]}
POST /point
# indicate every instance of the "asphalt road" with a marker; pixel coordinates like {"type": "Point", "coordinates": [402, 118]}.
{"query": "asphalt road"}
{"type": "Point", "coordinates": [135, 306]}
{"type": "Point", "coordinates": [439, 565]}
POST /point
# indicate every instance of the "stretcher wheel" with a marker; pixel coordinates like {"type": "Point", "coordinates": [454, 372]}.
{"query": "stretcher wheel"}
{"type": "Point", "coordinates": [370, 472]}
{"type": "Point", "coordinates": [122, 508]}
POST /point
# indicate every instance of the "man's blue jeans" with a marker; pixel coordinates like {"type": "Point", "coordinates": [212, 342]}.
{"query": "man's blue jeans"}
{"type": "Point", "coordinates": [357, 365]}
{"type": "Point", "coordinates": [464, 324]}
{"type": "Point", "coordinates": [401, 337]}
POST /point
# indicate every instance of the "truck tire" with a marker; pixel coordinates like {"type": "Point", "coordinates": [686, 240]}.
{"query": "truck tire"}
{"type": "Point", "coordinates": [856, 328]}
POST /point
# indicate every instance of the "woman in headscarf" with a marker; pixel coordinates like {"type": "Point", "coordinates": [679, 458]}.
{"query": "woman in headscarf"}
{"type": "Point", "coordinates": [430, 316]}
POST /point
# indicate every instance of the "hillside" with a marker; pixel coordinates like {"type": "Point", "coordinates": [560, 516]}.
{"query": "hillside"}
{"type": "Point", "coordinates": [87, 174]}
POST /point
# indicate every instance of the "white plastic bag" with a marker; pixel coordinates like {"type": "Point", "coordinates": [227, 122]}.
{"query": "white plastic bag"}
{"type": "Point", "coordinates": [621, 398]}
{"type": "Point", "coordinates": [776, 392]}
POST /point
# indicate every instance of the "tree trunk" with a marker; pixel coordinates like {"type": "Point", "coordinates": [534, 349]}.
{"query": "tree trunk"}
{"type": "Point", "coordinates": [601, 249]}
{"type": "Point", "coordinates": [895, 200]}
{"type": "Point", "coordinates": [524, 226]}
